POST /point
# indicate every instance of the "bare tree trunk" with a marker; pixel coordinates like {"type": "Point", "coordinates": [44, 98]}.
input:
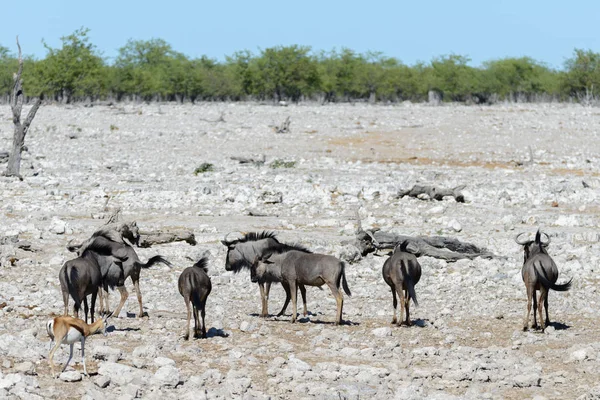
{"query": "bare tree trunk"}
{"type": "Point", "coordinates": [16, 104]}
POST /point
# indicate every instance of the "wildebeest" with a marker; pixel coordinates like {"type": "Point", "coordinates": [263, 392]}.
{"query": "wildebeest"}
{"type": "Point", "coordinates": [401, 271]}
{"type": "Point", "coordinates": [195, 286]}
{"type": "Point", "coordinates": [295, 266]}
{"type": "Point", "coordinates": [82, 276]}
{"type": "Point", "coordinates": [539, 272]}
{"type": "Point", "coordinates": [115, 271]}
{"type": "Point", "coordinates": [242, 250]}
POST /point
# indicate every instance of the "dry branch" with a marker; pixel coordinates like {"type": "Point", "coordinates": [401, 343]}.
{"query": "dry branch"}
{"type": "Point", "coordinates": [442, 247]}
{"type": "Point", "coordinates": [285, 127]}
{"type": "Point", "coordinates": [13, 167]}
{"type": "Point", "coordinates": [148, 239]}
{"type": "Point", "coordinates": [434, 192]}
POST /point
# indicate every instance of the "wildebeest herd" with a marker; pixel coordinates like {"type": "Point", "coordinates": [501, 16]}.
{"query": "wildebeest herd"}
{"type": "Point", "coordinates": [108, 258]}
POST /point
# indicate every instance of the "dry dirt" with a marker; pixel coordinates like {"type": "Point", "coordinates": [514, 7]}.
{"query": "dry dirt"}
{"type": "Point", "coordinates": [524, 167]}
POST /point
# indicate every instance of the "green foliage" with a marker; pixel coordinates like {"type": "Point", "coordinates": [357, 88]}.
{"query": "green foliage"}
{"type": "Point", "coordinates": [582, 72]}
{"type": "Point", "coordinates": [74, 71]}
{"type": "Point", "coordinates": [282, 164]}
{"type": "Point", "coordinates": [204, 167]}
{"type": "Point", "coordinates": [285, 73]}
{"type": "Point", "coordinates": [152, 70]}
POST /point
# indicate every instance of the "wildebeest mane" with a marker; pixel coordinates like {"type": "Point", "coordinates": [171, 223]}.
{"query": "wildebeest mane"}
{"type": "Point", "coordinates": [284, 248]}
{"type": "Point", "coordinates": [202, 264]}
{"type": "Point", "coordinates": [255, 236]}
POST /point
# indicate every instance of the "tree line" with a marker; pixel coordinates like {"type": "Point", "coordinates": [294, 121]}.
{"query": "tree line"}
{"type": "Point", "coordinates": [151, 70]}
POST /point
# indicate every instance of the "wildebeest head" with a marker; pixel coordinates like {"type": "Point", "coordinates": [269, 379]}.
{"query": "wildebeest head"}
{"type": "Point", "coordinates": [533, 247]}
{"type": "Point", "coordinates": [242, 249]}
{"type": "Point", "coordinates": [259, 267]}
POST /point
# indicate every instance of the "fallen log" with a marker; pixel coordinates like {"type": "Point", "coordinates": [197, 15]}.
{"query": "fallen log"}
{"type": "Point", "coordinates": [441, 247]}
{"type": "Point", "coordinates": [434, 192]}
{"type": "Point", "coordinates": [148, 239]}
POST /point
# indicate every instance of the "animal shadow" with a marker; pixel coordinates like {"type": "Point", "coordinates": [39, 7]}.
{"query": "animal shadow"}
{"type": "Point", "coordinates": [559, 326]}
{"type": "Point", "coordinates": [214, 332]}
{"type": "Point", "coordinates": [112, 328]}
{"type": "Point", "coordinates": [134, 315]}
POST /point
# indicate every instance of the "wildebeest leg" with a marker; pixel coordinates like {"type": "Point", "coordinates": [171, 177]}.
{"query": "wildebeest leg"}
{"type": "Point", "coordinates": [395, 304]}
{"type": "Point", "coordinates": [136, 285]}
{"type": "Point", "coordinates": [186, 334]}
{"type": "Point", "coordinates": [303, 293]}
{"type": "Point", "coordinates": [543, 295]}
{"type": "Point", "coordinates": [294, 295]}
{"type": "Point", "coordinates": [535, 324]}
{"type": "Point", "coordinates": [101, 308]}
{"type": "Point", "coordinates": [124, 295]}
{"type": "Point", "coordinates": [66, 301]}
{"type": "Point", "coordinates": [202, 314]}
{"type": "Point", "coordinates": [401, 299]}
{"type": "Point", "coordinates": [196, 322]}
{"type": "Point", "coordinates": [94, 295]}
{"type": "Point", "coordinates": [337, 293]}
{"type": "Point", "coordinates": [407, 305]}
{"type": "Point", "coordinates": [85, 308]}
{"type": "Point", "coordinates": [287, 298]}
{"type": "Point", "coordinates": [529, 300]}
{"type": "Point", "coordinates": [263, 299]}
{"type": "Point", "coordinates": [546, 307]}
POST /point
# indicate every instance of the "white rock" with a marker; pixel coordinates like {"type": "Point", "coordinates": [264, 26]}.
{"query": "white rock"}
{"type": "Point", "coordinates": [70, 376]}
{"type": "Point", "coordinates": [167, 376]}
{"type": "Point", "coordinates": [455, 225]}
{"type": "Point", "coordinates": [297, 364]}
{"type": "Point", "coordinates": [102, 381]}
{"type": "Point", "coordinates": [163, 361]}
{"type": "Point", "coordinates": [382, 332]}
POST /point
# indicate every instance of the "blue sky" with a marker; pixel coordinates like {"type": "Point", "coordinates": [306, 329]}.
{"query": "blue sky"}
{"type": "Point", "coordinates": [411, 31]}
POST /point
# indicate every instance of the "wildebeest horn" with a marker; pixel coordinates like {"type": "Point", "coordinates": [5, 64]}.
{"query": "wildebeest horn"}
{"type": "Point", "coordinates": [232, 237]}
{"type": "Point", "coordinates": [521, 242]}
{"type": "Point", "coordinates": [547, 242]}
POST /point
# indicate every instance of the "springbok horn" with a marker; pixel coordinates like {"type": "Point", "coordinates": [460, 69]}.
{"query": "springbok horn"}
{"type": "Point", "coordinates": [521, 242]}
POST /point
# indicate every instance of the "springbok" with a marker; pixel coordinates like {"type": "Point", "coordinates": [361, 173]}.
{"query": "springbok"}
{"type": "Point", "coordinates": [539, 272]}
{"type": "Point", "coordinates": [242, 251]}
{"type": "Point", "coordinates": [401, 271]}
{"type": "Point", "coordinates": [116, 270]}
{"type": "Point", "coordinates": [295, 267]}
{"type": "Point", "coordinates": [69, 330]}
{"type": "Point", "coordinates": [195, 286]}
{"type": "Point", "coordinates": [82, 276]}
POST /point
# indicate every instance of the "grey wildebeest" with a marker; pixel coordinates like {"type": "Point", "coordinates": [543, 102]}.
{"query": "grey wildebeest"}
{"type": "Point", "coordinates": [242, 250]}
{"type": "Point", "coordinates": [539, 272]}
{"type": "Point", "coordinates": [82, 276]}
{"type": "Point", "coordinates": [294, 267]}
{"type": "Point", "coordinates": [115, 271]}
{"type": "Point", "coordinates": [195, 286]}
{"type": "Point", "coordinates": [401, 271]}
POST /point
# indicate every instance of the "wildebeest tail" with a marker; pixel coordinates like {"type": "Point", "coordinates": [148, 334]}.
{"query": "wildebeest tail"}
{"type": "Point", "coordinates": [344, 282]}
{"type": "Point", "coordinates": [202, 264]}
{"type": "Point", "coordinates": [410, 284]}
{"type": "Point", "coordinates": [541, 275]}
{"type": "Point", "coordinates": [155, 260]}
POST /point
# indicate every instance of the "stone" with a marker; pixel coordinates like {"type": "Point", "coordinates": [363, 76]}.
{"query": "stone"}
{"type": "Point", "coordinates": [382, 332]}
{"type": "Point", "coordinates": [70, 376]}
{"type": "Point", "coordinates": [167, 375]}
{"type": "Point", "coordinates": [102, 381]}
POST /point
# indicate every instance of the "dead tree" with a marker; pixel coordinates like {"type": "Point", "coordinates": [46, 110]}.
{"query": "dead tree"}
{"type": "Point", "coordinates": [285, 127]}
{"type": "Point", "coordinates": [16, 104]}
{"type": "Point", "coordinates": [441, 247]}
{"type": "Point", "coordinates": [434, 192]}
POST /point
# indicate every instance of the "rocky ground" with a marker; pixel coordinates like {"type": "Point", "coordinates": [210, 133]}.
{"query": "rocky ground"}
{"type": "Point", "coordinates": [524, 167]}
